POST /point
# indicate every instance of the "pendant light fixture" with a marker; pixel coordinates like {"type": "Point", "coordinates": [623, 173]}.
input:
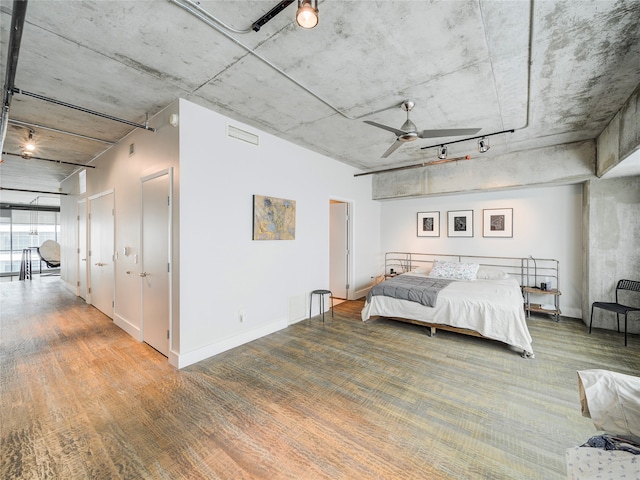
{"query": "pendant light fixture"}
{"type": "Point", "coordinates": [307, 15]}
{"type": "Point", "coordinates": [30, 146]}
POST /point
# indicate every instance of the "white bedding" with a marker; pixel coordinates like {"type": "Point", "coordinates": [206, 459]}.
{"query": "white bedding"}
{"type": "Point", "coordinates": [612, 400]}
{"type": "Point", "coordinates": [493, 308]}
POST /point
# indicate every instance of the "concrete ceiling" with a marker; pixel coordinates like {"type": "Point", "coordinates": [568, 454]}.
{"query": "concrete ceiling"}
{"type": "Point", "coordinates": [554, 71]}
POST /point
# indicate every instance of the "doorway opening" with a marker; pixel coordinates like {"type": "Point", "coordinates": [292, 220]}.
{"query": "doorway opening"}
{"type": "Point", "coordinates": [339, 249]}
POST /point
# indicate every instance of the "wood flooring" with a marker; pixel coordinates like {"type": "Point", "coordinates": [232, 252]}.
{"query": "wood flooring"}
{"type": "Point", "coordinates": [81, 399]}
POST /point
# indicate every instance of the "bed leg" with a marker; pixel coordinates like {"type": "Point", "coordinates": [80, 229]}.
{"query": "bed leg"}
{"type": "Point", "coordinates": [432, 331]}
{"type": "Point", "coordinates": [526, 354]}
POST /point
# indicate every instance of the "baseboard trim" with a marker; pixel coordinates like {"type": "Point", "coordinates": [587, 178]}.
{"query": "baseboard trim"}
{"type": "Point", "coordinates": [127, 326]}
{"type": "Point", "coordinates": [189, 358]}
{"type": "Point", "coordinates": [360, 293]}
{"type": "Point", "coordinates": [72, 288]}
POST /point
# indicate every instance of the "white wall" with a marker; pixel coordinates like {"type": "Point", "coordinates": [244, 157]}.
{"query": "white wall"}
{"type": "Point", "coordinates": [547, 223]}
{"type": "Point", "coordinates": [121, 172]}
{"type": "Point", "coordinates": [223, 271]}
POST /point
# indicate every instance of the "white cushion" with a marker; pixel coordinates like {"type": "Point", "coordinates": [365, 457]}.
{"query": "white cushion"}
{"type": "Point", "coordinates": [424, 269]}
{"type": "Point", "coordinates": [50, 251]}
{"type": "Point", "coordinates": [491, 273]}
{"type": "Point", "coordinates": [454, 270]}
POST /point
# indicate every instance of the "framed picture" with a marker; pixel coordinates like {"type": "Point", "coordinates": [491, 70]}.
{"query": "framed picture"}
{"type": "Point", "coordinates": [460, 223]}
{"type": "Point", "coordinates": [273, 218]}
{"type": "Point", "coordinates": [497, 222]}
{"type": "Point", "coordinates": [428, 224]}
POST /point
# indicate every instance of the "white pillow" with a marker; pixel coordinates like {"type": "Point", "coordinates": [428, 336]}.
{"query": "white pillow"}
{"type": "Point", "coordinates": [454, 270]}
{"type": "Point", "coordinates": [490, 273]}
{"type": "Point", "coordinates": [424, 269]}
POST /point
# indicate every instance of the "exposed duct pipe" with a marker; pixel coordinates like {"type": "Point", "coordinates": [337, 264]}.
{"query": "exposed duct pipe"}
{"type": "Point", "coordinates": [417, 165]}
{"type": "Point", "coordinates": [32, 191]}
{"type": "Point", "coordinates": [214, 23]}
{"type": "Point", "coordinates": [28, 207]}
{"type": "Point", "coordinates": [15, 38]}
{"type": "Point", "coordinates": [218, 25]}
{"type": "Point", "coordinates": [144, 126]}
{"type": "Point", "coordinates": [57, 130]}
{"type": "Point", "coordinates": [49, 160]}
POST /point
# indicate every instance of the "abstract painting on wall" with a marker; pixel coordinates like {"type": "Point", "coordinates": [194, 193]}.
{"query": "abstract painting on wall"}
{"type": "Point", "coordinates": [273, 218]}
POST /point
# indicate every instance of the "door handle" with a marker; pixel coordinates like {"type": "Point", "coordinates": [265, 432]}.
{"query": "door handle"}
{"type": "Point", "coordinates": [83, 259]}
{"type": "Point", "coordinates": [143, 274]}
{"type": "Point", "coordinates": [100, 264]}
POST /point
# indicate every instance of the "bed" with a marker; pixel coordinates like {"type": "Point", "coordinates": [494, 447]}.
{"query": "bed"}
{"type": "Point", "coordinates": [486, 303]}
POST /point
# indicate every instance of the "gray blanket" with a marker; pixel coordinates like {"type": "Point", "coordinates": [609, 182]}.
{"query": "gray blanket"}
{"type": "Point", "coordinates": [423, 290]}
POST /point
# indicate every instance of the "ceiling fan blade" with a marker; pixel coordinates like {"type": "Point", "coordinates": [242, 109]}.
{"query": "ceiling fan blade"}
{"type": "Point", "coordinates": [392, 148]}
{"type": "Point", "coordinates": [448, 132]}
{"type": "Point", "coordinates": [384, 127]}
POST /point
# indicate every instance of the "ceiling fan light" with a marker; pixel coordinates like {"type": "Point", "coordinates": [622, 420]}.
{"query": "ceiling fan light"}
{"type": "Point", "coordinates": [442, 152]}
{"type": "Point", "coordinates": [307, 15]}
{"type": "Point", "coordinates": [483, 145]}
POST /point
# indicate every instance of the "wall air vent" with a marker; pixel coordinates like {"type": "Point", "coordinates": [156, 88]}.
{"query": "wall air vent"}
{"type": "Point", "coordinates": [239, 134]}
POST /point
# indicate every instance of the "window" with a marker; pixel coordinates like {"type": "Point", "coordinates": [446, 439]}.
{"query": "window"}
{"type": "Point", "coordinates": [25, 229]}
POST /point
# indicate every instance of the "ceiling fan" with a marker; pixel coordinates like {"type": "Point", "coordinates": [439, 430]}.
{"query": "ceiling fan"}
{"type": "Point", "coordinates": [409, 132]}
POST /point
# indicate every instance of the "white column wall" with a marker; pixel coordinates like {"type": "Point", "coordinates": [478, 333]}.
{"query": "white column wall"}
{"type": "Point", "coordinates": [224, 273]}
{"type": "Point", "coordinates": [547, 223]}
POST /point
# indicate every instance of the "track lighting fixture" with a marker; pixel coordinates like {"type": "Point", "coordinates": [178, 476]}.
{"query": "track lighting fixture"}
{"type": "Point", "coordinates": [307, 15]}
{"type": "Point", "coordinates": [442, 152]}
{"type": "Point", "coordinates": [484, 138]}
{"type": "Point", "coordinates": [483, 145]}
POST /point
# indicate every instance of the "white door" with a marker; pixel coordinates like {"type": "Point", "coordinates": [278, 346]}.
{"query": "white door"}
{"type": "Point", "coordinates": [82, 249]}
{"type": "Point", "coordinates": [155, 267]}
{"type": "Point", "coordinates": [339, 249]}
{"type": "Point", "coordinates": [101, 252]}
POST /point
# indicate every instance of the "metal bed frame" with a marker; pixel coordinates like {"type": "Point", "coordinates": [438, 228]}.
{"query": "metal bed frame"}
{"type": "Point", "coordinates": [529, 271]}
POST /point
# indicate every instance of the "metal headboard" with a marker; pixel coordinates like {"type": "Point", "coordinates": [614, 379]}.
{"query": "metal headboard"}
{"type": "Point", "coordinates": [529, 271]}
